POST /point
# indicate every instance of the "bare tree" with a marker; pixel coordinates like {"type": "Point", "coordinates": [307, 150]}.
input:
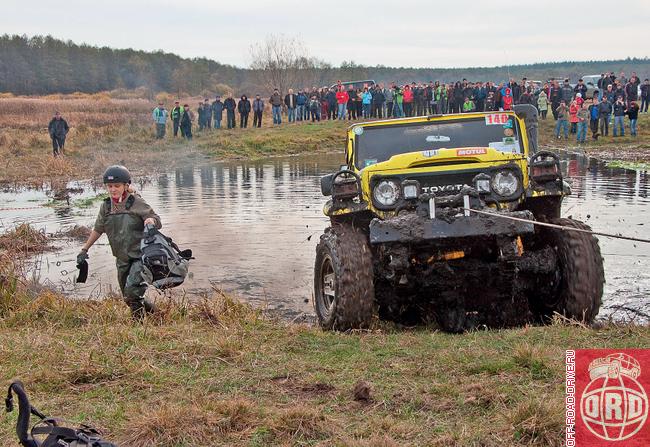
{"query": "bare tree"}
{"type": "Point", "coordinates": [282, 62]}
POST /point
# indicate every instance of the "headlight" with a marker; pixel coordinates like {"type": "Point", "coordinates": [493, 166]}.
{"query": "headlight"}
{"type": "Point", "coordinates": [386, 192]}
{"type": "Point", "coordinates": [482, 183]}
{"type": "Point", "coordinates": [505, 183]}
{"type": "Point", "coordinates": [410, 189]}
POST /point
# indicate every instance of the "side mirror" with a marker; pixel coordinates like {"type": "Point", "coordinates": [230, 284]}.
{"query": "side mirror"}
{"type": "Point", "coordinates": [326, 182]}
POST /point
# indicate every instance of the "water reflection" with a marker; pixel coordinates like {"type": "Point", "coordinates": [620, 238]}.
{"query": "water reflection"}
{"type": "Point", "coordinates": [253, 227]}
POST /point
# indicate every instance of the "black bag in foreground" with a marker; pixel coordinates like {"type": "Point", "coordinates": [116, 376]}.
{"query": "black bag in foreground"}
{"type": "Point", "coordinates": [164, 265]}
{"type": "Point", "coordinates": [54, 434]}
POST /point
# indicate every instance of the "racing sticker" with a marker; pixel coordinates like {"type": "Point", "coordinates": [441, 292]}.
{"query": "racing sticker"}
{"type": "Point", "coordinates": [496, 119]}
{"type": "Point", "coordinates": [471, 151]}
{"type": "Point", "coordinates": [430, 153]}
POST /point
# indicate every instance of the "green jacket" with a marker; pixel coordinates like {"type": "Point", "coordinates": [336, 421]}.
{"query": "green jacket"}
{"type": "Point", "coordinates": [123, 224]}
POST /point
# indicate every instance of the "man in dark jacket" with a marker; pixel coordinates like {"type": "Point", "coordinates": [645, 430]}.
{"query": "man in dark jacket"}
{"type": "Point", "coordinates": [258, 110]}
{"type": "Point", "coordinates": [631, 90]}
{"type": "Point", "coordinates": [567, 92]}
{"type": "Point", "coordinates": [230, 105]}
{"type": "Point", "coordinates": [186, 122]}
{"type": "Point", "coordinates": [276, 106]}
{"type": "Point", "coordinates": [330, 97]}
{"type": "Point", "coordinates": [605, 111]}
{"type": "Point", "coordinates": [58, 129]}
{"type": "Point", "coordinates": [378, 99]}
{"type": "Point", "coordinates": [581, 88]}
{"type": "Point", "coordinates": [619, 115]}
{"type": "Point", "coordinates": [555, 96]}
{"type": "Point", "coordinates": [217, 112]}
{"type": "Point", "coordinates": [244, 109]}
{"type": "Point", "coordinates": [645, 95]}
{"type": "Point", "coordinates": [290, 100]}
{"type": "Point", "coordinates": [176, 114]}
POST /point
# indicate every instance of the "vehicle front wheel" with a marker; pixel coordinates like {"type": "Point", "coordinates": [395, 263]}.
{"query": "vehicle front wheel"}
{"type": "Point", "coordinates": [581, 275]}
{"type": "Point", "coordinates": [343, 280]}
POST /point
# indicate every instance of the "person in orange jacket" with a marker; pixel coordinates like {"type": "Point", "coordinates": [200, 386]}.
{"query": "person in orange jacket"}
{"type": "Point", "coordinates": [573, 115]}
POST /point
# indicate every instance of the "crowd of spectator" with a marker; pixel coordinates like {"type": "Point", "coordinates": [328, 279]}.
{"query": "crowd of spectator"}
{"type": "Point", "coordinates": [571, 106]}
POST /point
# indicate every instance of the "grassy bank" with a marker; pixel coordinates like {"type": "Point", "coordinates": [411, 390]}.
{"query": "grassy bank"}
{"type": "Point", "coordinates": [218, 373]}
{"type": "Point", "coordinates": [108, 130]}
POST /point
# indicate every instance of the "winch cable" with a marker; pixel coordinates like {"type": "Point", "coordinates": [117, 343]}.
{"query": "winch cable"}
{"type": "Point", "coordinates": [559, 227]}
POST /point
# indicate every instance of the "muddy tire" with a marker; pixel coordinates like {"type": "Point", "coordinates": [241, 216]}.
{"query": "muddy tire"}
{"type": "Point", "coordinates": [344, 291]}
{"type": "Point", "coordinates": [581, 274]}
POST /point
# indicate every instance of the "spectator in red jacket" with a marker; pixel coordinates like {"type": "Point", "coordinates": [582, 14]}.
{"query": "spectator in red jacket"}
{"type": "Point", "coordinates": [342, 101]}
{"type": "Point", "coordinates": [507, 99]}
{"type": "Point", "coordinates": [408, 100]}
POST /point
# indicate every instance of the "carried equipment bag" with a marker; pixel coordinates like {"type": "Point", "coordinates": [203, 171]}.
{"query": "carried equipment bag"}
{"type": "Point", "coordinates": [164, 265]}
{"type": "Point", "coordinates": [54, 433]}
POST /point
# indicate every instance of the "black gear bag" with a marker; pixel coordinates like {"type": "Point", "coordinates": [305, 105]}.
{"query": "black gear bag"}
{"type": "Point", "coordinates": [54, 434]}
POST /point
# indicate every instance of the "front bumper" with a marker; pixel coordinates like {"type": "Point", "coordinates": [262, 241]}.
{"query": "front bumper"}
{"type": "Point", "coordinates": [410, 227]}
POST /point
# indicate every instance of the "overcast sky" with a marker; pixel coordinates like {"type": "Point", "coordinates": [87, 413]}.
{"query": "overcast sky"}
{"type": "Point", "coordinates": [415, 33]}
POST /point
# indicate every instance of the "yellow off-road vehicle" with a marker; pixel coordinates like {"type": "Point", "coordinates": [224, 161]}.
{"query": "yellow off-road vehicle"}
{"type": "Point", "coordinates": [433, 218]}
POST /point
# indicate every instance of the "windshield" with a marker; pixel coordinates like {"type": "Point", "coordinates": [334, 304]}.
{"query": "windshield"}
{"type": "Point", "coordinates": [376, 144]}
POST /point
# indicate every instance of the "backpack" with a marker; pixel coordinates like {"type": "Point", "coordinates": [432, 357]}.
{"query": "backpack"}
{"type": "Point", "coordinates": [164, 265]}
{"type": "Point", "coordinates": [56, 435]}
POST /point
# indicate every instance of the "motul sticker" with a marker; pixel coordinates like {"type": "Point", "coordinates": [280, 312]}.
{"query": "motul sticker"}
{"type": "Point", "coordinates": [494, 119]}
{"type": "Point", "coordinates": [607, 397]}
{"type": "Point", "coordinates": [471, 151]}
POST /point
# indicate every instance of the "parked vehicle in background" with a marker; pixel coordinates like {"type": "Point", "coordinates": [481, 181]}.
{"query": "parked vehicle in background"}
{"type": "Point", "coordinates": [355, 84]}
{"type": "Point", "coordinates": [591, 81]}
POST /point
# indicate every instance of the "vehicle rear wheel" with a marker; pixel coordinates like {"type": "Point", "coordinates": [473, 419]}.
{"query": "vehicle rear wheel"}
{"type": "Point", "coordinates": [343, 280]}
{"type": "Point", "coordinates": [581, 275]}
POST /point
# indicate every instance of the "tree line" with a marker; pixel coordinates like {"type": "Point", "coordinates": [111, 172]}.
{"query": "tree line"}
{"type": "Point", "coordinates": [44, 65]}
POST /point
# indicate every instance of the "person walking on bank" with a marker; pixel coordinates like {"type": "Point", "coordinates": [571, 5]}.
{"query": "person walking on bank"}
{"type": "Point", "coordinates": [258, 110]}
{"type": "Point", "coordinates": [186, 122]}
{"type": "Point", "coordinates": [276, 106]}
{"type": "Point", "coordinates": [230, 105]}
{"type": "Point", "coordinates": [244, 109]}
{"type": "Point", "coordinates": [291, 101]}
{"type": "Point", "coordinates": [122, 216]}
{"type": "Point", "coordinates": [176, 114]}
{"type": "Point", "coordinates": [201, 116]}
{"type": "Point", "coordinates": [217, 112]}
{"type": "Point", "coordinates": [160, 120]}
{"type": "Point", "coordinates": [58, 129]}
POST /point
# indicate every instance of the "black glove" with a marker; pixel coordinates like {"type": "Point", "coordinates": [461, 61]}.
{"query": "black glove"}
{"type": "Point", "coordinates": [82, 256]}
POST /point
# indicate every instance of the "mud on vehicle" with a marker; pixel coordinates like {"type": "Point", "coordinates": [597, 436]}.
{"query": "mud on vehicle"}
{"type": "Point", "coordinates": [407, 241]}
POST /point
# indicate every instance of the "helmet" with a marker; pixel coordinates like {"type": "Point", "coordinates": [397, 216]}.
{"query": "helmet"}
{"type": "Point", "coordinates": [117, 174]}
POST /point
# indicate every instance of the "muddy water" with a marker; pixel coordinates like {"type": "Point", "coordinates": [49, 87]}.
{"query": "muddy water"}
{"type": "Point", "coordinates": [253, 227]}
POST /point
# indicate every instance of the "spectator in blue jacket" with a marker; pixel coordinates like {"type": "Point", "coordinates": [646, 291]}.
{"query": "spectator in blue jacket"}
{"type": "Point", "coordinates": [160, 119]}
{"type": "Point", "coordinates": [366, 100]}
{"type": "Point", "coordinates": [301, 102]}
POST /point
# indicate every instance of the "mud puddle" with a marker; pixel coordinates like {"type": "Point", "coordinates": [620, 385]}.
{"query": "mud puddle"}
{"type": "Point", "coordinates": [253, 227]}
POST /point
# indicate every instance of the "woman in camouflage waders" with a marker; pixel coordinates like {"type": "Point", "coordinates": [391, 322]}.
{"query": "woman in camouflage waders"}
{"type": "Point", "coordinates": [122, 217]}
